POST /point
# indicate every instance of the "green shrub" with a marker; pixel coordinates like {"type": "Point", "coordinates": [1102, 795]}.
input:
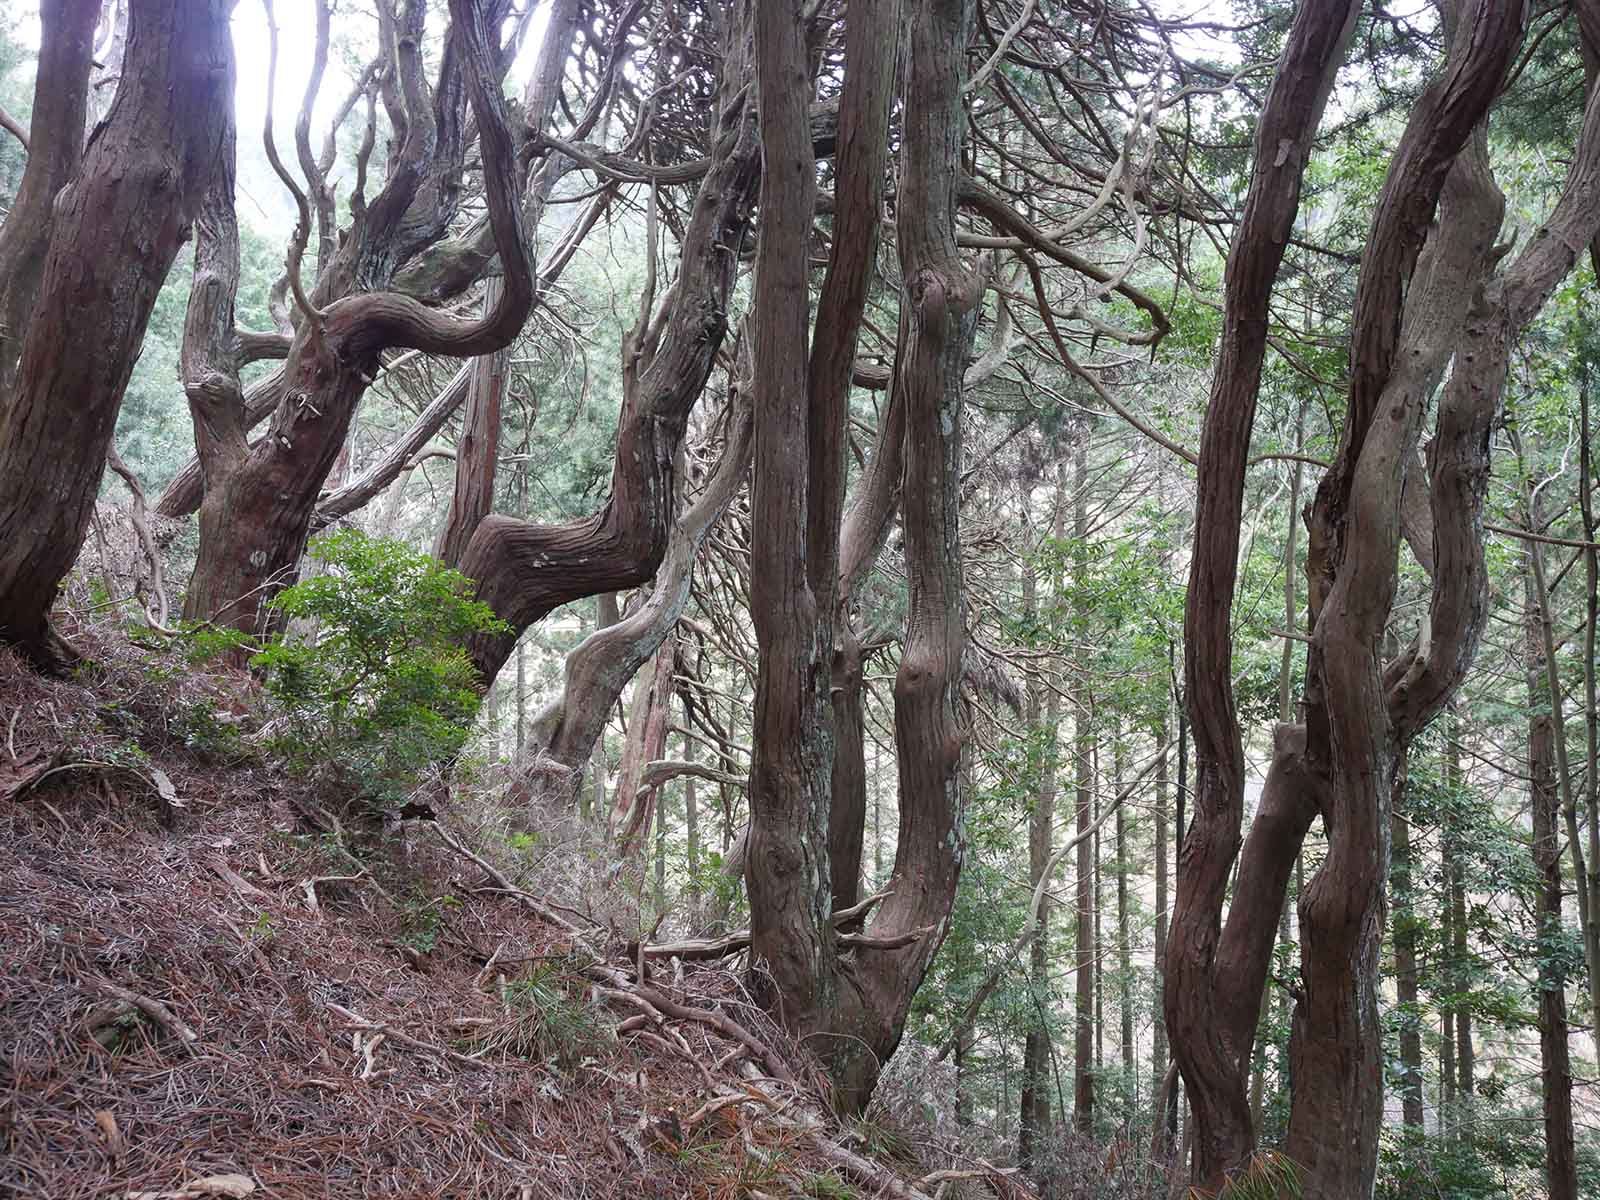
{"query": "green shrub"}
{"type": "Point", "coordinates": [549, 1018]}
{"type": "Point", "coordinates": [380, 689]}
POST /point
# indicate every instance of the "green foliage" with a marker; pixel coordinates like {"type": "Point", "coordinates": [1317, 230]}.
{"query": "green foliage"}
{"type": "Point", "coordinates": [382, 689]}
{"type": "Point", "coordinates": [422, 920]}
{"type": "Point", "coordinates": [548, 1018]}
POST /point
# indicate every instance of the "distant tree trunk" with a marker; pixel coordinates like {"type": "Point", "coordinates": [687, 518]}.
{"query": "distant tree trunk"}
{"type": "Point", "coordinates": [1124, 951]}
{"type": "Point", "coordinates": [85, 296]}
{"type": "Point", "coordinates": [633, 801]}
{"type": "Point", "coordinates": [1083, 1089]}
{"type": "Point", "coordinates": [1042, 718]}
{"type": "Point", "coordinates": [1458, 1017]}
{"type": "Point", "coordinates": [661, 852]}
{"type": "Point", "coordinates": [1404, 924]}
{"type": "Point", "coordinates": [691, 833]}
{"type": "Point", "coordinates": [1158, 1046]}
{"type": "Point", "coordinates": [1548, 779]}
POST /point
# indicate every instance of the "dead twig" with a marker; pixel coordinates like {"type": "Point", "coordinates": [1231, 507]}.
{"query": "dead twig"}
{"type": "Point", "coordinates": [154, 1009]}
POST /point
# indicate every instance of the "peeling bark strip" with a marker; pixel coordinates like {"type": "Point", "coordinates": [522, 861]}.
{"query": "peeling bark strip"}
{"type": "Point", "coordinates": [1209, 1054]}
{"type": "Point", "coordinates": [116, 230]}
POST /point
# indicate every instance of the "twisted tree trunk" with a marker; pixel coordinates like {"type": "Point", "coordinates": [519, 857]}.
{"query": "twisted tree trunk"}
{"type": "Point", "coordinates": [260, 498]}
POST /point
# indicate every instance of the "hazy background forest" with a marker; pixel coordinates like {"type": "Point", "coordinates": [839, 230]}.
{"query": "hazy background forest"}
{"type": "Point", "coordinates": [1037, 1037]}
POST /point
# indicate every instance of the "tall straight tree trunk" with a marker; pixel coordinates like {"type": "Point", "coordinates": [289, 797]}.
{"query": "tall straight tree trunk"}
{"type": "Point", "coordinates": [1459, 1016]}
{"type": "Point", "coordinates": [1124, 951]}
{"type": "Point", "coordinates": [1544, 732]}
{"type": "Point", "coordinates": [1083, 1088]}
{"type": "Point", "coordinates": [1158, 1046]}
{"type": "Point", "coordinates": [691, 833]}
{"type": "Point", "coordinates": [791, 762]}
{"type": "Point", "coordinates": [1042, 721]}
{"type": "Point", "coordinates": [1590, 886]}
{"type": "Point", "coordinates": [1404, 925]}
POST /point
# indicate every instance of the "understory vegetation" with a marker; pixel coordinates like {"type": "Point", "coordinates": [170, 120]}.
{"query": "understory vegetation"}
{"type": "Point", "coordinates": [752, 598]}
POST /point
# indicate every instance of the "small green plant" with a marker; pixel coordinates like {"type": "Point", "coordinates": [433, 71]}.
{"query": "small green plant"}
{"type": "Point", "coordinates": [203, 642]}
{"type": "Point", "coordinates": [421, 922]}
{"type": "Point", "coordinates": [1268, 1175]}
{"type": "Point", "coordinates": [828, 1186]}
{"type": "Point", "coordinates": [548, 1018]}
{"type": "Point", "coordinates": [380, 689]}
{"type": "Point", "coordinates": [263, 930]}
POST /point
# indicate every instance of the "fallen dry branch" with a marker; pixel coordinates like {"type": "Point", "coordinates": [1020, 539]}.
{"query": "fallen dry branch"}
{"type": "Point", "coordinates": [709, 949]}
{"type": "Point", "coordinates": [154, 1009]}
{"type": "Point", "coordinates": [540, 908]}
{"type": "Point", "coordinates": [405, 1039]}
{"type": "Point", "coordinates": [22, 773]}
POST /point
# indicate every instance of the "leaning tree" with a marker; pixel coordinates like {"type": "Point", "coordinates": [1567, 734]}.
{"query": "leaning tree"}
{"type": "Point", "coordinates": [83, 252]}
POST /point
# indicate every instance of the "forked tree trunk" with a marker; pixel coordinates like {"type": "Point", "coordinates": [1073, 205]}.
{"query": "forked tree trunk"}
{"type": "Point", "coordinates": [868, 999]}
{"type": "Point", "coordinates": [114, 232]}
{"type": "Point", "coordinates": [1213, 1058]}
{"type": "Point", "coordinates": [940, 302]}
{"type": "Point", "coordinates": [1361, 716]}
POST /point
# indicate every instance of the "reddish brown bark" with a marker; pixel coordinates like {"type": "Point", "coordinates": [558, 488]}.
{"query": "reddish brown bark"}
{"type": "Point", "coordinates": [1209, 1052]}
{"type": "Point", "coordinates": [259, 499]}
{"type": "Point", "coordinates": [116, 231]}
{"type": "Point", "coordinates": [791, 762]}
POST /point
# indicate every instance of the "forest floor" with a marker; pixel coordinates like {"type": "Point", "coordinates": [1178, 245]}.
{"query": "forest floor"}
{"type": "Point", "coordinates": [211, 990]}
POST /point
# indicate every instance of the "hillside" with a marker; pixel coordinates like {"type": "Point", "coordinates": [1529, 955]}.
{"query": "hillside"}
{"type": "Point", "coordinates": [213, 987]}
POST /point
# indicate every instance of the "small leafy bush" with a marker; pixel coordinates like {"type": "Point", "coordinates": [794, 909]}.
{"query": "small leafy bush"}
{"type": "Point", "coordinates": [380, 689]}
